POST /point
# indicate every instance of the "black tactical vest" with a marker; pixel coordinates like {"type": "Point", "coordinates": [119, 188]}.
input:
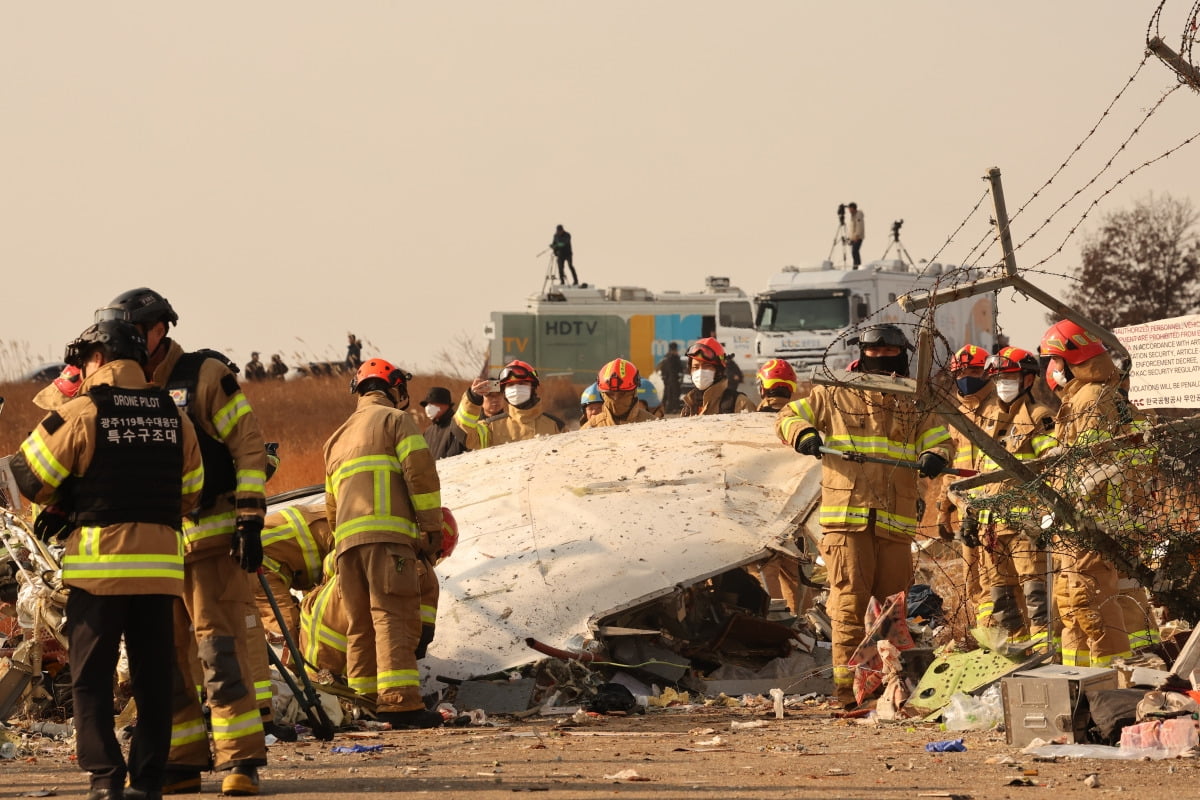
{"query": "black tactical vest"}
{"type": "Point", "coordinates": [220, 475]}
{"type": "Point", "coordinates": [136, 472]}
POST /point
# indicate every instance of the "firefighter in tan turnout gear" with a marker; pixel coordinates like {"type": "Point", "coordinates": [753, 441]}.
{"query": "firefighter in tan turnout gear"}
{"type": "Point", "coordinates": [776, 385]}
{"type": "Point", "coordinates": [383, 496]}
{"type": "Point", "coordinates": [522, 418]}
{"type": "Point", "coordinates": [117, 468]}
{"type": "Point", "coordinates": [868, 510]}
{"type": "Point", "coordinates": [976, 401]}
{"type": "Point", "coordinates": [295, 541]}
{"type": "Point", "coordinates": [1010, 561]}
{"type": "Point", "coordinates": [712, 393]}
{"type": "Point", "coordinates": [618, 383]}
{"type": "Point", "coordinates": [217, 620]}
{"type": "Point", "coordinates": [323, 622]}
{"type": "Point", "coordinates": [1086, 585]}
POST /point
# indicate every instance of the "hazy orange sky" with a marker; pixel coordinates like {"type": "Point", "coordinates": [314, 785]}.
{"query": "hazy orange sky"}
{"type": "Point", "coordinates": [285, 172]}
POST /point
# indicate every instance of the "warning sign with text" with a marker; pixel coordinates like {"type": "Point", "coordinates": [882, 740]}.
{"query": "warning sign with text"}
{"type": "Point", "coordinates": [1166, 362]}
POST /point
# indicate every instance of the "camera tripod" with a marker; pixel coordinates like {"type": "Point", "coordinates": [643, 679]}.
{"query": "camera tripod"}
{"type": "Point", "coordinates": [896, 243]}
{"type": "Point", "coordinates": [839, 235]}
{"type": "Point", "coordinates": [549, 281]}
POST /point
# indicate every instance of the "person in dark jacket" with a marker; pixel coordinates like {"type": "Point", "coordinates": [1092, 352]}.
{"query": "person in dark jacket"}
{"type": "Point", "coordinates": [443, 436]}
{"type": "Point", "coordinates": [671, 370]}
{"type": "Point", "coordinates": [561, 245]}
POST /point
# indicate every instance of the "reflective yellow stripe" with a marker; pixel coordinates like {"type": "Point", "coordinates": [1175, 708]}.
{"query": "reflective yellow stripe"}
{"type": "Point", "coordinates": [251, 481]}
{"type": "Point", "coordinates": [228, 415]}
{"type": "Point", "coordinates": [354, 466]}
{"type": "Point", "coordinates": [188, 732]}
{"type": "Point", "coordinates": [834, 516]}
{"type": "Point", "coordinates": [428, 614]}
{"type": "Point", "coordinates": [878, 446]}
{"type": "Point", "coordinates": [471, 422]}
{"type": "Point", "coordinates": [296, 527]}
{"type": "Point", "coordinates": [313, 624]}
{"type": "Point", "coordinates": [193, 482]}
{"type": "Point", "coordinates": [43, 463]}
{"type": "Point", "coordinates": [379, 524]}
{"type": "Point", "coordinates": [237, 727]}
{"type": "Point", "coordinates": [208, 527]}
{"type": "Point", "coordinates": [262, 691]}
{"type": "Point", "coordinates": [398, 678]}
{"type": "Point", "coordinates": [94, 567]}
{"type": "Point", "coordinates": [426, 501]}
{"type": "Point", "coordinates": [366, 684]}
{"type": "Point", "coordinates": [409, 445]}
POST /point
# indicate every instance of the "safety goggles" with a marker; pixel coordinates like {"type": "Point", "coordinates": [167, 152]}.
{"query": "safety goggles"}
{"type": "Point", "coordinates": [517, 373]}
{"type": "Point", "coordinates": [703, 352]}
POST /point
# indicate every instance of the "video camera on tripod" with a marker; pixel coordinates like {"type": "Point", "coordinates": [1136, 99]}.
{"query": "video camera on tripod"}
{"type": "Point", "coordinates": [841, 214]}
{"type": "Point", "coordinates": [896, 230]}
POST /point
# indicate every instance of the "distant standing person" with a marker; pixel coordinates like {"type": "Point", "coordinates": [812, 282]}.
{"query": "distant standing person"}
{"type": "Point", "coordinates": [855, 231]}
{"type": "Point", "coordinates": [255, 371]}
{"type": "Point", "coordinates": [278, 368]}
{"type": "Point", "coordinates": [671, 370]}
{"type": "Point", "coordinates": [561, 245]}
{"type": "Point", "coordinates": [353, 352]}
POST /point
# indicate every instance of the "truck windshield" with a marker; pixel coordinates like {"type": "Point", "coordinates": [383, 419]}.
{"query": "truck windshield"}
{"type": "Point", "coordinates": [804, 314]}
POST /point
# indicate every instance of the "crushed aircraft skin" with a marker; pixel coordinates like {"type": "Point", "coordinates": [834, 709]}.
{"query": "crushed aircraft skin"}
{"type": "Point", "coordinates": [561, 533]}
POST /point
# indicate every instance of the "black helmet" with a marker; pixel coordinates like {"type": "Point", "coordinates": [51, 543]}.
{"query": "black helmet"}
{"type": "Point", "coordinates": [117, 338]}
{"type": "Point", "coordinates": [140, 306]}
{"type": "Point", "coordinates": [883, 335]}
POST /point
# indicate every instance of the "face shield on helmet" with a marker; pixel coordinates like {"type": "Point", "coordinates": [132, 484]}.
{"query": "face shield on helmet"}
{"type": "Point", "coordinates": [1007, 370]}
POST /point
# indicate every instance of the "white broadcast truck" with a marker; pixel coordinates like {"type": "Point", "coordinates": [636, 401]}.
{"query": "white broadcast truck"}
{"type": "Point", "coordinates": [806, 315]}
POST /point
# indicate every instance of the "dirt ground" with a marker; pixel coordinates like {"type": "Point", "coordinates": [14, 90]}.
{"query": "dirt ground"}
{"type": "Point", "coordinates": [674, 753]}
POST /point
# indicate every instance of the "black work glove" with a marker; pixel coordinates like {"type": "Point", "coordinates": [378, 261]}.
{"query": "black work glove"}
{"type": "Point", "coordinates": [247, 543]}
{"type": "Point", "coordinates": [426, 639]}
{"type": "Point", "coordinates": [930, 465]}
{"type": "Point", "coordinates": [970, 529]}
{"type": "Point", "coordinates": [51, 523]}
{"type": "Point", "coordinates": [431, 545]}
{"type": "Point", "coordinates": [809, 443]}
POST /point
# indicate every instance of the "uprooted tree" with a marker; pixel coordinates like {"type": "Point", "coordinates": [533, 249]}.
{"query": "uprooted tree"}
{"type": "Point", "coordinates": [1142, 264]}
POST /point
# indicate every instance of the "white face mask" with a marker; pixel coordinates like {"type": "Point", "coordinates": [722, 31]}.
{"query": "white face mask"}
{"type": "Point", "coordinates": [703, 378]}
{"type": "Point", "coordinates": [1007, 389]}
{"type": "Point", "coordinates": [518, 393]}
{"type": "Point", "coordinates": [432, 410]}
{"type": "Point", "coordinates": [1060, 377]}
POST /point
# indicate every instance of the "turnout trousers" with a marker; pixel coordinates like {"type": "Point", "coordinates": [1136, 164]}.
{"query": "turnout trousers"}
{"type": "Point", "coordinates": [860, 565]}
{"type": "Point", "coordinates": [1093, 625]}
{"type": "Point", "coordinates": [95, 624]}
{"type": "Point", "coordinates": [381, 588]}
{"type": "Point", "coordinates": [218, 623]}
{"type": "Point", "coordinates": [1014, 577]}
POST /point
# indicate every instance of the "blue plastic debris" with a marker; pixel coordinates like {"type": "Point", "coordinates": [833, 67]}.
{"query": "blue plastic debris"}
{"type": "Point", "coordinates": [366, 748]}
{"type": "Point", "coordinates": [947, 746]}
